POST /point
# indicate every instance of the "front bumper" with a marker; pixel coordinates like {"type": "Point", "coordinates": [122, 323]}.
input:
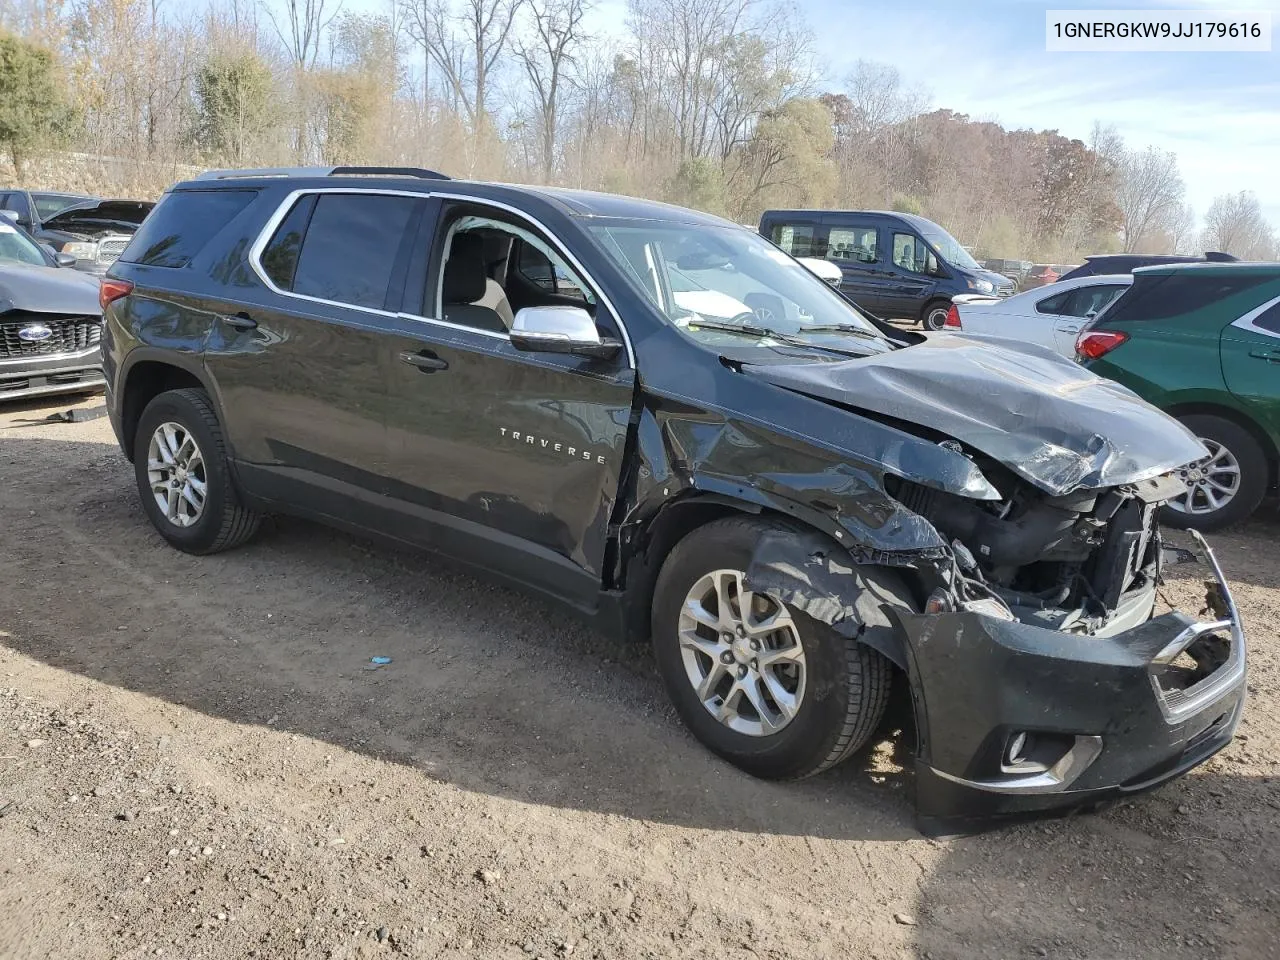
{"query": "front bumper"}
{"type": "Point", "coordinates": [1113, 715]}
{"type": "Point", "coordinates": [36, 376]}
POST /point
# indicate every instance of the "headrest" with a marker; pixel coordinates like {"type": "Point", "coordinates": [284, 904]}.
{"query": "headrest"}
{"type": "Point", "coordinates": [464, 273]}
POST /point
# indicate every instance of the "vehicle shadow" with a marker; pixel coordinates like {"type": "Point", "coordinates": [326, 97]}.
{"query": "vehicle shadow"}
{"type": "Point", "coordinates": [487, 688]}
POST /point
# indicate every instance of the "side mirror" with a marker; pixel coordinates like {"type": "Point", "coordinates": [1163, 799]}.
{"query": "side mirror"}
{"type": "Point", "coordinates": [64, 259]}
{"type": "Point", "coordinates": [558, 329]}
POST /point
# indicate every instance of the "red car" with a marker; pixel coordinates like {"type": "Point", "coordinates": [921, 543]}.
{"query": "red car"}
{"type": "Point", "coordinates": [1043, 274]}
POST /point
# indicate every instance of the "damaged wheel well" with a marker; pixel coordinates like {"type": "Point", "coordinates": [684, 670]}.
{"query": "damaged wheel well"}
{"type": "Point", "coordinates": [673, 523]}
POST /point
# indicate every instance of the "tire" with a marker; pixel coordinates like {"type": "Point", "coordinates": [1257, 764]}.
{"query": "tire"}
{"type": "Point", "coordinates": [222, 521]}
{"type": "Point", "coordinates": [934, 315]}
{"type": "Point", "coordinates": [1230, 442]}
{"type": "Point", "coordinates": [846, 683]}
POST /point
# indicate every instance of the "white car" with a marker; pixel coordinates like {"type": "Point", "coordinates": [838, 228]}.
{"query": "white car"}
{"type": "Point", "coordinates": [1051, 316]}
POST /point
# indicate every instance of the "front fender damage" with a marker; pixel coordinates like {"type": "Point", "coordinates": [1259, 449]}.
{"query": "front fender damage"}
{"type": "Point", "coordinates": [813, 575]}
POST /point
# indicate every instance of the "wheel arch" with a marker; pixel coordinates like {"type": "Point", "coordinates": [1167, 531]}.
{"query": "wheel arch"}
{"type": "Point", "coordinates": [1241, 420]}
{"type": "Point", "coordinates": [678, 519]}
{"type": "Point", "coordinates": [145, 379]}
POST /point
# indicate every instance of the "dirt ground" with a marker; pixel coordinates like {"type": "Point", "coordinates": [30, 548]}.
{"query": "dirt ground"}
{"type": "Point", "coordinates": [197, 759]}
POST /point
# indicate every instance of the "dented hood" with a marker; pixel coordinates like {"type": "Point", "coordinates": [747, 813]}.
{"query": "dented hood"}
{"type": "Point", "coordinates": [1053, 423]}
{"type": "Point", "coordinates": [47, 290]}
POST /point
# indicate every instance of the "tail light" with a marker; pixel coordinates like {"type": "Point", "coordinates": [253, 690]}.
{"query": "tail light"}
{"type": "Point", "coordinates": [1093, 344]}
{"type": "Point", "coordinates": [953, 318]}
{"type": "Point", "coordinates": [109, 291]}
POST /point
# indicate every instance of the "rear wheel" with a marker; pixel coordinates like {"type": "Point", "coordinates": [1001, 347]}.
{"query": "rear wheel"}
{"type": "Point", "coordinates": [934, 315]}
{"type": "Point", "coordinates": [184, 480]}
{"type": "Point", "coordinates": [1225, 487]}
{"type": "Point", "coordinates": [771, 690]}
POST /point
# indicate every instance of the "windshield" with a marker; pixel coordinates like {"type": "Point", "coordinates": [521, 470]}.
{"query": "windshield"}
{"type": "Point", "coordinates": [701, 275]}
{"type": "Point", "coordinates": [49, 204]}
{"type": "Point", "coordinates": [948, 247]}
{"type": "Point", "coordinates": [17, 247]}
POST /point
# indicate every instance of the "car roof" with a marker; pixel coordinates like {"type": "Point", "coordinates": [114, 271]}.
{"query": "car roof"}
{"type": "Point", "coordinates": [1218, 268]}
{"type": "Point", "coordinates": [574, 203]}
{"type": "Point", "coordinates": [912, 218]}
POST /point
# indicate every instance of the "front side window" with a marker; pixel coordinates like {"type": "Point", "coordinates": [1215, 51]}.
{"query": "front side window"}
{"type": "Point", "coordinates": [493, 268]}
{"type": "Point", "coordinates": [948, 246]}
{"type": "Point", "coordinates": [718, 284]}
{"type": "Point", "coordinates": [347, 249]}
{"type": "Point", "coordinates": [17, 247]}
{"type": "Point", "coordinates": [910, 253]}
{"type": "Point", "coordinates": [852, 245]}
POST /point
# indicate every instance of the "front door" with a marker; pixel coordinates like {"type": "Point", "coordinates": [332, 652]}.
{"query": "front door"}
{"type": "Point", "coordinates": [1251, 363]}
{"type": "Point", "coordinates": [299, 367]}
{"type": "Point", "coordinates": [507, 459]}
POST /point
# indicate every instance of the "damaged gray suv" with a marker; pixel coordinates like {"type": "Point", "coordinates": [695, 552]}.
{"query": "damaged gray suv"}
{"type": "Point", "coordinates": [668, 425]}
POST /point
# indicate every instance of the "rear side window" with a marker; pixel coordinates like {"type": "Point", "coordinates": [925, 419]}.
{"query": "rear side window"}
{"type": "Point", "coordinates": [853, 244]}
{"type": "Point", "coordinates": [1269, 320]}
{"type": "Point", "coordinates": [181, 224]}
{"type": "Point", "coordinates": [1177, 295]}
{"type": "Point", "coordinates": [349, 244]}
{"type": "Point", "coordinates": [800, 239]}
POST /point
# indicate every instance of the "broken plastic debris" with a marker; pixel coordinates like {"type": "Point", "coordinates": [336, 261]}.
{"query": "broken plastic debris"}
{"type": "Point", "coordinates": [380, 661]}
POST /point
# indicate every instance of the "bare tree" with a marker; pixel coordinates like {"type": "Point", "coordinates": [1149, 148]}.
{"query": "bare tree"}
{"type": "Point", "coordinates": [1234, 224]}
{"type": "Point", "coordinates": [305, 24]}
{"type": "Point", "coordinates": [557, 30]}
{"type": "Point", "coordinates": [1149, 192]}
{"type": "Point", "coordinates": [466, 45]}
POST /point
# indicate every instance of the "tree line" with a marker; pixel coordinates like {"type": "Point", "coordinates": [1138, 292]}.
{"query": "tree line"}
{"type": "Point", "coordinates": [715, 104]}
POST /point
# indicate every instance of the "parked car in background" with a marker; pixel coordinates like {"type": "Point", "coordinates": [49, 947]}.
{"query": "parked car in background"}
{"type": "Point", "coordinates": [1051, 316]}
{"type": "Point", "coordinates": [94, 233]}
{"type": "Point", "coordinates": [796, 508]}
{"type": "Point", "coordinates": [1015, 270]}
{"type": "Point", "coordinates": [50, 322]}
{"type": "Point", "coordinates": [1043, 274]}
{"type": "Point", "coordinates": [1202, 342]}
{"type": "Point", "coordinates": [1112, 263]}
{"type": "Point", "coordinates": [894, 265]}
{"type": "Point", "coordinates": [34, 207]}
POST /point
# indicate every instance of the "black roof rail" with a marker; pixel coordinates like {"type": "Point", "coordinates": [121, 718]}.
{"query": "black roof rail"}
{"type": "Point", "coordinates": [416, 172]}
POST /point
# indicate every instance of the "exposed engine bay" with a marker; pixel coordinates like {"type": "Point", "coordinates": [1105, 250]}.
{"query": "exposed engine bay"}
{"type": "Point", "coordinates": [1063, 562]}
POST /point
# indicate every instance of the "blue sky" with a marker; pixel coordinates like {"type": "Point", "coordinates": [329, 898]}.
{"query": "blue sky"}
{"type": "Point", "coordinates": [1219, 112]}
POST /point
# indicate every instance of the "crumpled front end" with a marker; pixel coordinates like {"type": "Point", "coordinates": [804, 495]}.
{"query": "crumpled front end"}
{"type": "Point", "coordinates": [1016, 719]}
{"type": "Point", "coordinates": [1039, 677]}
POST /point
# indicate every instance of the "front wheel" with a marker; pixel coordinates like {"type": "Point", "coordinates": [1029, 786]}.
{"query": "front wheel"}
{"type": "Point", "coordinates": [1226, 486]}
{"type": "Point", "coordinates": [184, 479]}
{"type": "Point", "coordinates": [773, 691]}
{"type": "Point", "coordinates": [934, 316]}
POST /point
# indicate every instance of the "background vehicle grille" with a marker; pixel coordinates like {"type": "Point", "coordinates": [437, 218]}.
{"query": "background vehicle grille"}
{"type": "Point", "coordinates": [109, 250]}
{"type": "Point", "coordinates": [70, 335]}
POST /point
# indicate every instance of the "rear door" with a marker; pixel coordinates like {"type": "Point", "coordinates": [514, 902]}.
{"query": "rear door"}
{"type": "Point", "coordinates": [301, 371]}
{"type": "Point", "coordinates": [507, 459]}
{"type": "Point", "coordinates": [857, 246]}
{"type": "Point", "coordinates": [1251, 362]}
{"type": "Point", "coordinates": [1073, 310]}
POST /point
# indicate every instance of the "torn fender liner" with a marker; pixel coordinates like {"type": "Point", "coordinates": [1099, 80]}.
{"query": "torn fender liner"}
{"type": "Point", "coordinates": [810, 573]}
{"type": "Point", "coordinates": [1053, 423]}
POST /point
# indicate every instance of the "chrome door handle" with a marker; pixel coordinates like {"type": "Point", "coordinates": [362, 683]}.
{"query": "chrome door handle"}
{"type": "Point", "coordinates": [425, 361]}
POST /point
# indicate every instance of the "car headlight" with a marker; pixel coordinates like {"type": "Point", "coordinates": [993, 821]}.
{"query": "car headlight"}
{"type": "Point", "coordinates": [80, 249]}
{"type": "Point", "coordinates": [982, 286]}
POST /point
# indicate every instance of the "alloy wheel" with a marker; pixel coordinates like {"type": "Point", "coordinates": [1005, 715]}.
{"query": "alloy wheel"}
{"type": "Point", "coordinates": [742, 655]}
{"type": "Point", "coordinates": [1212, 483]}
{"type": "Point", "coordinates": [176, 474]}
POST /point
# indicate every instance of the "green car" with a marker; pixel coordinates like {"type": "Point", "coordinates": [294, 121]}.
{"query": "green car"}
{"type": "Point", "coordinates": [1201, 341]}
